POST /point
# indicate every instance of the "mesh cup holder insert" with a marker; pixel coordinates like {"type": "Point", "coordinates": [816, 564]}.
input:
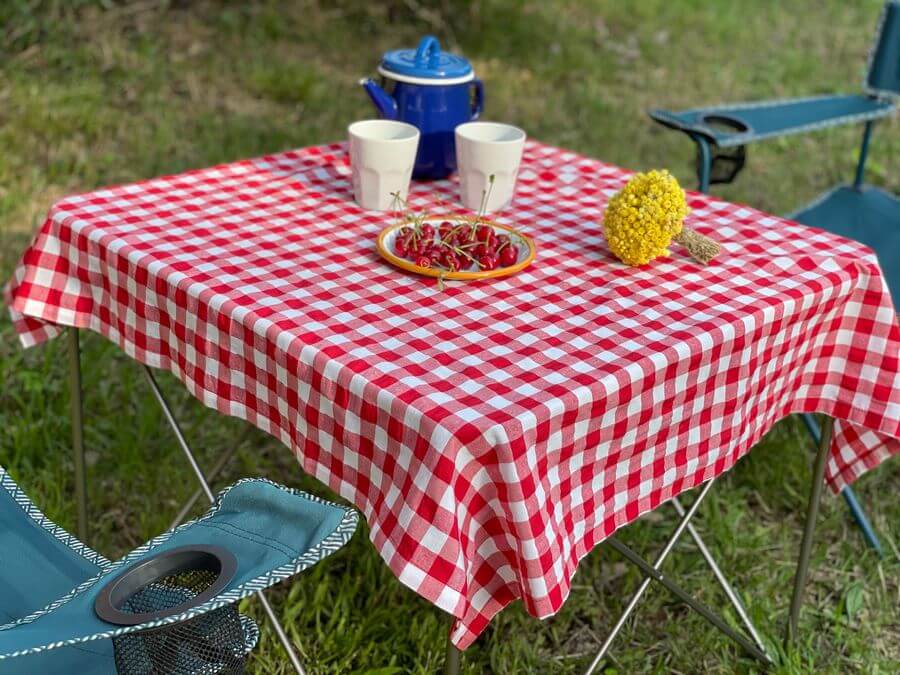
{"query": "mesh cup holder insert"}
{"type": "Point", "coordinates": [166, 585]}
{"type": "Point", "coordinates": [725, 163]}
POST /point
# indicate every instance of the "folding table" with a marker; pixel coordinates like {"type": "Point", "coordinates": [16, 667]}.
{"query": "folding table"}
{"type": "Point", "coordinates": [494, 433]}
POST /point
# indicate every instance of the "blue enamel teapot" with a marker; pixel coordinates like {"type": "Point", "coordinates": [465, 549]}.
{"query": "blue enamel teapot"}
{"type": "Point", "coordinates": [432, 90]}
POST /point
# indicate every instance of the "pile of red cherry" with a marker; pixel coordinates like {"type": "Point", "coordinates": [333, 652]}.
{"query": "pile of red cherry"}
{"type": "Point", "coordinates": [456, 246]}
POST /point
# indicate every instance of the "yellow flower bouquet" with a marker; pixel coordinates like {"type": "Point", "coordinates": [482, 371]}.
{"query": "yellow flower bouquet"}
{"type": "Point", "coordinates": [646, 215]}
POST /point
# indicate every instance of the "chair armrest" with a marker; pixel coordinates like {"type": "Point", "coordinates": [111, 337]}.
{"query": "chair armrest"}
{"type": "Point", "coordinates": [742, 123]}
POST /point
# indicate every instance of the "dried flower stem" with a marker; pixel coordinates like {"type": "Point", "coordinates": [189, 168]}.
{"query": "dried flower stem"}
{"type": "Point", "coordinates": [702, 248]}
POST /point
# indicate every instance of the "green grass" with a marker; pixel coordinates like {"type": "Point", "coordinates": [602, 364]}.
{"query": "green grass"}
{"type": "Point", "coordinates": [97, 92]}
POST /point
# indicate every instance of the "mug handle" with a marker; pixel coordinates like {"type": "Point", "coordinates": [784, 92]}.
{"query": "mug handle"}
{"type": "Point", "coordinates": [478, 101]}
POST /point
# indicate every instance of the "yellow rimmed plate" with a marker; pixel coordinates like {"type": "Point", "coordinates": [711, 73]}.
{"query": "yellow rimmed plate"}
{"type": "Point", "coordinates": [388, 235]}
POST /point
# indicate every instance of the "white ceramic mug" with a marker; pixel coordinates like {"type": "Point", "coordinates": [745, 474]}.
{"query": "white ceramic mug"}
{"type": "Point", "coordinates": [382, 154]}
{"type": "Point", "coordinates": [485, 149]}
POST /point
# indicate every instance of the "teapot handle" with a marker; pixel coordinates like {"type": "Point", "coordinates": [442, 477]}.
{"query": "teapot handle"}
{"type": "Point", "coordinates": [478, 99]}
{"type": "Point", "coordinates": [428, 51]}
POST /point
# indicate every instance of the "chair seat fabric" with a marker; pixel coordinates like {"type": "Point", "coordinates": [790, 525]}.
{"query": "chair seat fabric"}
{"type": "Point", "coordinates": [36, 566]}
{"type": "Point", "coordinates": [39, 562]}
{"type": "Point", "coordinates": [273, 532]}
{"type": "Point", "coordinates": [759, 120]}
{"type": "Point", "coordinates": [868, 215]}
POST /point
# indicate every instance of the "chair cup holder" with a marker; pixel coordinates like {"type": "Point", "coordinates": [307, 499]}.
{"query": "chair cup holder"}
{"type": "Point", "coordinates": [725, 163]}
{"type": "Point", "coordinates": [168, 585]}
{"type": "Point", "coordinates": [725, 123]}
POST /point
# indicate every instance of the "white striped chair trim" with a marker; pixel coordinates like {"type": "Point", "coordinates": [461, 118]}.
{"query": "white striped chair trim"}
{"type": "Point", "coordinates": [33, 512]}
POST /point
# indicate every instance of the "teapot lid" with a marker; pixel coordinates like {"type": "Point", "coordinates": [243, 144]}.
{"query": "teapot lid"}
{"type": "Point", "coordinates": [426, 64]}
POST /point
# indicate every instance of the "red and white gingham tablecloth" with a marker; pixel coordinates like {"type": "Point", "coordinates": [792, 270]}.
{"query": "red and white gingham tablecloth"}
{"type": "Point", "coordinates": [492, 433]}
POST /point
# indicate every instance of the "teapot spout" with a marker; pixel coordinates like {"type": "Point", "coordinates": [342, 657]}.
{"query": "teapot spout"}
{"type": "Point", "coordinates": [384, 102]}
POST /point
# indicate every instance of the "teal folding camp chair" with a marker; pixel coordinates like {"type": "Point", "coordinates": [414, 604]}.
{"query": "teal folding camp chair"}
{"type": "Point", "coordinates": [169, 606]}
{"type": "Point", "coordinates": [858, 211]}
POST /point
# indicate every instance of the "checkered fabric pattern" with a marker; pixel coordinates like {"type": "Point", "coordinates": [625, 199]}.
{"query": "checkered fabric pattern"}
{"type": "Point", "coordinates": [492, 432]}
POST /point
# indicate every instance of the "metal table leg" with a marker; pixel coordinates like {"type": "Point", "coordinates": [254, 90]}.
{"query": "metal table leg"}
{"type": "Point", "coordinates": [77, 433]}
{"type": "Point", "coordinates": [451, 664]}
{"type": "Point", "coordinates": [720, 577]}
{"type": "Point", "coordinates": [856, 509]}
{"type": "Point", "coordinates": [213, 472]}
{"type": "Point", "coordinates": [173, 423]}
{"type": "Point", "coordinates": [758, 649]}
{"type": "Point", "coordinates": [657, 564]}
{"type": "Point", "coordinates": [812, 513]}
{"type": "Point", "coordinates": [652, 572]}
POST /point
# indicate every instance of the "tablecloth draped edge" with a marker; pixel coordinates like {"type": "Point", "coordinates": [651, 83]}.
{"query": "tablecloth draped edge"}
{"type": "Point", "coordinates": [463, 641]}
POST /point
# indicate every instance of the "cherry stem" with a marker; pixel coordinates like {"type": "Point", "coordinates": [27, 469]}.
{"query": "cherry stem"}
{"type": "Point", "coordinates": [485, 196]}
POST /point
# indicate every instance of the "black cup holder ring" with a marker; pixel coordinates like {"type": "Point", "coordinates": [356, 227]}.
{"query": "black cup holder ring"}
{"type": "Point", "coordinates": [725, 122]}
{"type": "Point", "coordinates": [216, 564]}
